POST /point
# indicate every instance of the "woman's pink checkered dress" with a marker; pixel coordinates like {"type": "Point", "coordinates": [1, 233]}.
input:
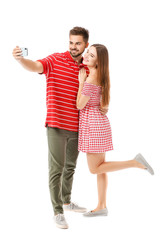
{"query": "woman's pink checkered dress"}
{"type": "Point", "coordinates": [95, 134]}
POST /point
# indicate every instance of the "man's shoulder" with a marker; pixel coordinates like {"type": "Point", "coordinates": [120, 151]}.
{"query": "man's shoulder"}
{"type": "Point", "coordinates": [59, 56]}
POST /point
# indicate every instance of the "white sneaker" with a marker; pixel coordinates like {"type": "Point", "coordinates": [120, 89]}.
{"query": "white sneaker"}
{"type": "Point", "coordinates": [60, 221]}
{"type": "Point", "coordinates": [74, 208]}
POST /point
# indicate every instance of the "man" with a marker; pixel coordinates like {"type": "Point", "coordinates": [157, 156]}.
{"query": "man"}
{"type": "Point", "coordinates": [61, 71]}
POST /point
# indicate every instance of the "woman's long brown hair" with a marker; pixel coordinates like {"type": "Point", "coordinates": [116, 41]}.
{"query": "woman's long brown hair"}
{"type": "Point", "coordinates": [103, 72]}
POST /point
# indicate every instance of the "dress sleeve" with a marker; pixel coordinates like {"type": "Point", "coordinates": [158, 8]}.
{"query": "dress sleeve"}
{"type": "Point", "coordinates": [87, 89]}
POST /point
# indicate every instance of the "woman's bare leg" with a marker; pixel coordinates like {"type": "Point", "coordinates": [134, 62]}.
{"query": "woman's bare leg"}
{"type": "Point", "coordinates": [102, 183]}
{"type": "Point", "coordinates": [97, 165]}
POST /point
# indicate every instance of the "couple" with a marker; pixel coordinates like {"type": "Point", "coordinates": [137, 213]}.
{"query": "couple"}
{"type": "Point", "coordinates": [77, 98]}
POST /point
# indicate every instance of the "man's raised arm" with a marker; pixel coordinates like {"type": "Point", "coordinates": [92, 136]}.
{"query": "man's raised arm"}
{"type": "Point", "coordinates": [33, 66]}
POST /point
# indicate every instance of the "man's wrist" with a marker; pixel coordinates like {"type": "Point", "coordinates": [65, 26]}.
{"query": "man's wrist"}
{"type": "Point", "coordinates": [19, 60]}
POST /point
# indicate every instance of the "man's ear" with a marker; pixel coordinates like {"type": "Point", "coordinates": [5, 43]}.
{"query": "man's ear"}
{"type": "Point", "coordinates": [87, 44]}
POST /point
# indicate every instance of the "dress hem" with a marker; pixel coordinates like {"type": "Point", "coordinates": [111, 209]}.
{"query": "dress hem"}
{"type": "Point", "coordinates": [96, 151]}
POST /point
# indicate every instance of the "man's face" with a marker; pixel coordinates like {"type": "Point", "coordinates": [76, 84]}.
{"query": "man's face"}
{"type": "Point", "coordinates": [76, 45]}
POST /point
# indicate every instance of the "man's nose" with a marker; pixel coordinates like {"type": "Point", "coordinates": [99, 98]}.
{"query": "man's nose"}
{"type": "Point", "coordinates": [74, 46]}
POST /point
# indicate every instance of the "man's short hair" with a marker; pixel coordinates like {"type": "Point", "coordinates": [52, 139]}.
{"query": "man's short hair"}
{"type": "Point", "coordinates": [80, 31]}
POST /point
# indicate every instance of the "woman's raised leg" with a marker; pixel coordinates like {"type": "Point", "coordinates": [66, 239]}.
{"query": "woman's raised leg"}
{"type": "Point", "coordinates": [97, 165]}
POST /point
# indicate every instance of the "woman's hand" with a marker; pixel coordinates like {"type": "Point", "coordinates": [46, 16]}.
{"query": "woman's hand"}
{"type": "Point", "coordinates": [103, 110]}
{"type": "Point", "coordinates": [82, 75]}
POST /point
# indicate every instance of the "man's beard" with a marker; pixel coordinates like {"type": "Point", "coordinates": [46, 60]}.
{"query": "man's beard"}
{"type": "Point", "coordinates": [75, 55]}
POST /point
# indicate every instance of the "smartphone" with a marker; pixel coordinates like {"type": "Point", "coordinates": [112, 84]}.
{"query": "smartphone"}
{"type": "Point", "coordinates": [24, 52]}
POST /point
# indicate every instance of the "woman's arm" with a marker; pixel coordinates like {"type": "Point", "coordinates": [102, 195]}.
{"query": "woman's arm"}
{"type": "Point", "coordinates": [103, 109]}
{"type": "Point", "coordinates": [81, 99]}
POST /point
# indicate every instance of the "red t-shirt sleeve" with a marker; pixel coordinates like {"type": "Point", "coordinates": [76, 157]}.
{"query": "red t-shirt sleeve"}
{"type": "Point", "coordinates": [48, 64]}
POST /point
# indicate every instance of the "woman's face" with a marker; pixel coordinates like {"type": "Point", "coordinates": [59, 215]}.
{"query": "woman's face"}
{"type": "Point", "coordinates": [90, 57]}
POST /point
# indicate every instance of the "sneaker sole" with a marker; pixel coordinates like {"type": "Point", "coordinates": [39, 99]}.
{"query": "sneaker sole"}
{"type": "Point", "coordinates": [62, 226]}
{"type": "Point", "coordinates": [98, 215]}
{"type": "Point", "coordinates": [80, 211]}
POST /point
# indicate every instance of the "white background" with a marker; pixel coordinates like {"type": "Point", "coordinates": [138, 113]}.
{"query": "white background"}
{"type": "Point", "coordinates": [130, 30]}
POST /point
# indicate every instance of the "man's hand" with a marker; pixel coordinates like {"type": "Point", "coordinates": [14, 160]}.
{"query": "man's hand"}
{"type": "Point", "coordinates": [32, 66]}
{"type": "Point", "coordinates": [17, 53]}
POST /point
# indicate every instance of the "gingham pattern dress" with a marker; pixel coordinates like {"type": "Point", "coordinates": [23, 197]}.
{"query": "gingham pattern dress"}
{"type": "Point", "coordinates": [95, 134]}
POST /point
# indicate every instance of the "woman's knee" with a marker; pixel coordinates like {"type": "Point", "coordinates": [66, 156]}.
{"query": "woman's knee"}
{"type": "Point", "coordinates": [93, 170]}
{"type": "Point", "coordinates": [94, 161]}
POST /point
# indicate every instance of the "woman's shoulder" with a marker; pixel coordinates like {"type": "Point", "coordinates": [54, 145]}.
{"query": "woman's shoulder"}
{"type": "Point", "coordinates": [92, 81]}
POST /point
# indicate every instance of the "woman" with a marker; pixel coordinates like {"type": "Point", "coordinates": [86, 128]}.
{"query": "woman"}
{"type": "Point", "coordinates": [95, 136]}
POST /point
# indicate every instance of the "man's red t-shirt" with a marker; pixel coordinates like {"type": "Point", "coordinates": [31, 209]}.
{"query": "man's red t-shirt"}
{"type": "Point", "coordinates": [61, 73]}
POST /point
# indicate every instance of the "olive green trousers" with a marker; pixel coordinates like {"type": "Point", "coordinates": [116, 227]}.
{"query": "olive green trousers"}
{"type": "Point", "coordinates": [62, 159]}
